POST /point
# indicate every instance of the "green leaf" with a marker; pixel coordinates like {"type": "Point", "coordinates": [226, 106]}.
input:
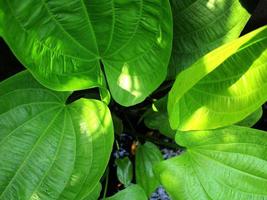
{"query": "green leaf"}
{"type": "Point", "coordinates": [157, 118]}
{"type": "Point", "coordinates": [50, 150]}
{"type": "Point", "coordinates": [64, 43]}
{"type": "Point", "coordinates": [118, 125]}
{"type": "Point", "coordinates": [95, 193]}
{"type": "Point", "coordinates": [124, 170]}
{"type": "Point", "coordinates": [252, 119]}
{"type": "Point", "coordinates": [147, 156]}
{"type": "Point", "coordinates": [134, 192]}
{"type": "Point", "coordinates": [223, 87]}
{"type": "Point", "coordinates": [227, 163]}
{"type": "Point", "coordinates": [201, 26]}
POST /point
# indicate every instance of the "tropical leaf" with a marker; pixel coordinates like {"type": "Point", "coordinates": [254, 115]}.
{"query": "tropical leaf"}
{"type": "Point", "coordinates": [50, 150]}
{"type": "Point", "coordinates": [223, 87]}
{"type": "Point", "coordinates": [220, 164]}
{"type": "Point", "coordinates": [124, 170]}
{"type": "Point", "coordinates": [201, 26]}
{"type": "Point", "coordinates": [66, 43]}
{"type": "Point", "coordinates": [135, 192]}
{"type": "Point", "coordinates": [147, 156]}
{"type": "Point", "coordinates": [157, 118]}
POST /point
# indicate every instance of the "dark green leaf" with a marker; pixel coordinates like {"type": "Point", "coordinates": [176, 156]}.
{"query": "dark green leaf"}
{"type": "Point", "coordinates": [227, 163]}
{"type": "Point", "coordinates": [50, 150]}
{"type": "Point", "coordinates": [65, 42]}
{"type": "Point", "coordinates": [147, 156]}
{"type": "Point", "coordinates": [124, 170]}
{"type": "Point", "coordinates": [157, 118]}
{"type": "Point", "coordinates": [202, 25]}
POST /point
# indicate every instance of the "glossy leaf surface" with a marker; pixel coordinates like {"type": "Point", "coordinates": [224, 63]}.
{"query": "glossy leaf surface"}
{"type": "Point", "coordinates": [50, 150]}
{"type": "Point", "coordinates": [133, 192]}
{"type": "Point", "coordinates": [147, 156]}
{"type": "Point", "coordinates": [124, 170]}
{"type": "Point", "coordinates": [223, 87]}
{"type": "Point", "coordinates": [64, 43]}
{"type": "Point", "coordinates": [227, 163]}
{"type": "Point", "coordinates": [201, 26]}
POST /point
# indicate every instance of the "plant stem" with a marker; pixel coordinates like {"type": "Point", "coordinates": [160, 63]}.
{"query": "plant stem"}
{"type": "Point", "coordinates": [106, 184]}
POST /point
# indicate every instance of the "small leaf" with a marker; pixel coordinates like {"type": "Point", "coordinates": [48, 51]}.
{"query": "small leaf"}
{"type": "Point", "coordinates": [252, 119]}
{"type": "Point", "coordinates": [50, 150]}
{"type": "Point", "coordinates": [228, 163]}
{"type": "Point", "coordinates": [124, 170]}
{"type": "Point", "coordinates": [118, 125]}
{"type": "Point", "coordinates": [147, 156]}
{"type": "Point", "coordinates": [201, 26]}
{"type": "Point", "coordinates": [223, 87]}
{"type": "Point", "coordinates": [133, 192]}
{"type": "Point", "coordinates": [157, 118]}
{"type": "Point", "coordinates": [65, 43]}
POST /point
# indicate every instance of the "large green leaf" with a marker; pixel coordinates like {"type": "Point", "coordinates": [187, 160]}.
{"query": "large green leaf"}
{"type": "Point", "coordinates": [133, 192]}
{"type": "Point", "coordinates": [202, 25]}
{"type": "Point", "coordinates": [50, 150]}
{"type": "Point", "coordinates": [223, 87]}
{"type": "Point", "coordinates": [222, 164]}
{"type": "Point", "coordinates": [147, 156]}
{"type": "Point", "coordinates": [65, 42]}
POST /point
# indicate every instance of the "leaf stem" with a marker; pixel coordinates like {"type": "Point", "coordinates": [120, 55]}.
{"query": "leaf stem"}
{"type": "Point", "coordinates": [106, 183]}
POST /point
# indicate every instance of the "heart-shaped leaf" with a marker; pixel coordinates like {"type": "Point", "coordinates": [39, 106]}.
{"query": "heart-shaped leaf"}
{"type": "Point", "coordinates": [202, 25]}
{"type": "Point", "coordinates": [227, 163]}
{"type": "Point", "coordinates": [124, 170]}
{"type": "Point", "coordinates": [50, 150]}
{"type": "Point", "coordinates": [65, 43]}
{"type": "Point", "coordinates": [133, 192]}
{"type": "Point", "coordinates": [223, 87]}
{"type": "Point", "coordinates": [147, 156]}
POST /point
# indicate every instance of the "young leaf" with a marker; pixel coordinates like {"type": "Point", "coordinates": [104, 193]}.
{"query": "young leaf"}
{"type": "Point", "coordinates": [50, 150]}
{"type": "Point", "coordinates": [65, 43]}
{"type": "Point", "coordinates": [227, 163]}
{"type": "Point", "coordinates": [157, 118]}
{"type": "Point", "coordinates": [124, 170]}
{"type": "Point", "coordinates": [252, 119]}
{"type": "Point", "coordinates": [147, 156]}
{"type": "Point", "coordinates": [223, 87]}
{"type": "Point", "coordinates": [200, 26]}
{"type": "Point", "coordinates": [133, 192]}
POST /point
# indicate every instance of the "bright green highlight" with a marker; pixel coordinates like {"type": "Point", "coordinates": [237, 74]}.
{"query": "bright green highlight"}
{"type": "Point", "coordinates": [64, 43]}
{"type": "Point", "coordinates": [223, 87]}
